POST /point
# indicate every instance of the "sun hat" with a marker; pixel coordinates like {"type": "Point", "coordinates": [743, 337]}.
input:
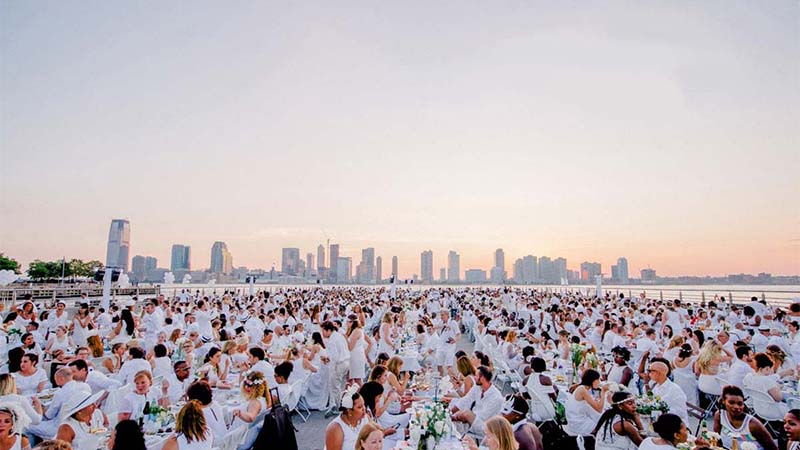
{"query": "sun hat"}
{"type": "Point", "coordinates": [79, 401]}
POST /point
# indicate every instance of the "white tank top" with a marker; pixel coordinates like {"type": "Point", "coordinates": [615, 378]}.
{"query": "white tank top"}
{"type": "Point", "coordinates": [18, 443]}
{"type": "Point", "coordinates": [184, 444]}
{"type": "Point", "coordinates": [350, 433]}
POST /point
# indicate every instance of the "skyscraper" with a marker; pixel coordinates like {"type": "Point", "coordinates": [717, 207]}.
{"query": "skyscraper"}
{"type": "Point", "coordinates": [290, 261]}
{"type": "Point", "coordinates": [366, 268]}
{"type": "Point", "coordinates": [560, 268]}
{"type": "Point", "coordinates": [394, 267]}
{"type": "Point", "coordinates": [453, 267]}
{"type": "Point", "coordinates": [344, 268]}
{"type": "Point", "coordinates": [518, 272]}
{"type": "Point", "coordinates": [333, 257]}
{"type": "Point", "coordinates": [138, 268]}
{"type": "Point", "coordinates": [119, 244]}
{"type": "Point", "coordinates": [530, 269]}
{"type": "Point", "coordinates": [320, 259]}
{"type": "Point", "coordinates": [221, 259]}
{"type": "Point", "coordinates": [181, 258]}
{"type": "Point", "coordinates": [622, 269]}
{"type": "Point", "coordinates": [500, 258]}
{"type": "Point", "coordinates": [150, 266]}
{"type": "Point", "coordinates": [442, 275]}
{"type": "Point", "coordinates": [590, 270]}
{"type": "Point", "coordinates": [547, 273]}
{"type": "Point", "coordinates": [310, 268]}
{"type": "Point", "coordinates": [426, 266]}
{"type": "Point", "coordinates": [378, 269]}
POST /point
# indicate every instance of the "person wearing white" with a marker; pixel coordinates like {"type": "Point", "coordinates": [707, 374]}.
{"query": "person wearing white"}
{"type": "Point", "coordinates": [53, 415]}
{"type": "Point", "coordinates": [94, 379]}
{"type": "Point", "coordinates": [339, 356]}
{"type": "Point", "coordinates": [669, 392]}
{"type": "Point", "coordinates": [134, 365]}
{"type": "Point", "coordinates": [740, 367]}
{"type": "Point", "coordinates": [483, 401]}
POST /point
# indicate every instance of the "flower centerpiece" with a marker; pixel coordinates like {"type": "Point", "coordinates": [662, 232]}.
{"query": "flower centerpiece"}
{"type": "Point", "coordinates": [591, 358]}
{"type": "Point", "coordinates": [651, 403]}
{"type": "Point", "coordinates": [429, 425]}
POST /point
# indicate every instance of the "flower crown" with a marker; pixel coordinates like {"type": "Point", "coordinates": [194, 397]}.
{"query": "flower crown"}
{"type": "Point", "coordinates": [347, 397]}
{"type": "Point", "coordinates": [255, 382]}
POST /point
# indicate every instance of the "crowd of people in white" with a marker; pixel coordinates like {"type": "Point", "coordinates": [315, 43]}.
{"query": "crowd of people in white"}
{"type": "Point", "coordinates": [359, 354]}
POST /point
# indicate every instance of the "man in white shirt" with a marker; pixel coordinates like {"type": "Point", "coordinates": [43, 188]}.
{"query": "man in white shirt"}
{"type": "Point", "coordinates": [96, 380]}
{"type": "Point", "coordinates": [257, 362]}
{"type": "Point", "coordinates": [51, 418]}
{"type": "Point", "coordinates": [179, 380]}
{"type": "Point", "coordinates": [152, 324]}
{"type": "Point", "coordinates": [669, 392]}
{"type": "Point", "coordinates": [741, 366]}
{"type": "Point", "coordinates": [483, 401]}
{"type": "Point", "coordinates": [339, 355]}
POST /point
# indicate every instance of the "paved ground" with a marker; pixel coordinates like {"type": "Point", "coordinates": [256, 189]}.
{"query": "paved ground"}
{"type": "Point", "coordinates": [311, 434]}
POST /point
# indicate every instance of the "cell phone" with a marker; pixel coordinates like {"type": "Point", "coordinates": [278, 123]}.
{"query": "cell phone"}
{"type": "Point", "coordinates": [395, 426]}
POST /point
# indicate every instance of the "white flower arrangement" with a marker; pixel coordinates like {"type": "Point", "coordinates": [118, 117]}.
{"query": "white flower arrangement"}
{"type": "Point", "coordinates": [430, 424]}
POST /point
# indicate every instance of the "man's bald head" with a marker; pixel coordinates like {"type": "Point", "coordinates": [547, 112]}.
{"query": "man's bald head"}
{"type": "Point", "coordinates": [658, 371]}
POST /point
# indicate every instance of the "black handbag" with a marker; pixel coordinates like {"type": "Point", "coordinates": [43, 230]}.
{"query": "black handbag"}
{"type": "Point", "coordinates": [277, 431]}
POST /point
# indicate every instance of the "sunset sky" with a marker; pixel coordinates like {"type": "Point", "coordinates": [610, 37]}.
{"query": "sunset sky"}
{"type": "Point", "coordinates": [665, 132]}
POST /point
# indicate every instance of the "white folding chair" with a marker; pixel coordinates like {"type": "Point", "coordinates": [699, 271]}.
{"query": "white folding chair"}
{"type": "Point", "coordinates": [232, 439]}
{"type": "Point", "coordinates": [112, 403]}
{"type": "Point", "coordinates": [541, 406]}
{"type": "Point", "coordinates": [302, 405]}
{"type": "Point", "coordinates": [766, 408]}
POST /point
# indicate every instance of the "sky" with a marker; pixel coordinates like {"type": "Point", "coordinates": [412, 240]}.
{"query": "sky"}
{"type": "Point", "coordinates": [665, 132]}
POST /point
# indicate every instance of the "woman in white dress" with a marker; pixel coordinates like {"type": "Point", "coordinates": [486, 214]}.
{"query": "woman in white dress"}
{"type": "Point", "coordinates": [13, 421]}
{"type": "Point", "coordinates": [191, 432]}
{"type": "Point", "coordinates": [683, 373]}
{"type": "Point", "coordinates": [620, 427]}
{"type": "Point", "coordinates": [620, 372]}
{"type": "Point", "coordinates": [358, 351]}
{"type": "Point", "coordinates": [80, 325]}
{"type": "Point", "coordinates": [113, 363]}
{"type": "Point", "coordinates": [60, 341]}
{"type": "Point", "coordinates": [78, 411]}
{"type": "Point", "coordinates": [582, 408]}
{"type": "Point", "coordinates": [385, 342]}
{"type": "Point", "coordinates": [342, 432]}
{"type": "Point", "coordinates": [30, 404]}
{"type": "Point", "coordinates": [255, 391]}
{"type": "Point", "coordinates": [707, 366]}
{"type": "Point", "coordinates": [317, 391]}
{"type": "Point", "coordinates": [125, 328]}
{"type": "Point", "coordinates": [30, 379]}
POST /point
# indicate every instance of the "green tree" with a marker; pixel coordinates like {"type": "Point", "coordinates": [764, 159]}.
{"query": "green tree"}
{"type": "Point", "coordinates": [7, 263]}
{"type": "Point", "coordinates": [38, 270]}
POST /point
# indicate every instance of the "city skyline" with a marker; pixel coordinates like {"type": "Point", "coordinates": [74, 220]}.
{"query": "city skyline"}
{"type": "Point", "coordinates": [663, 132]}
{"type": "Point", "coordinates": [526, 269]}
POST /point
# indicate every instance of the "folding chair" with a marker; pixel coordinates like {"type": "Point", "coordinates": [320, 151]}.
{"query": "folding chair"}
{"type": "Point", "coordinates": [767, 409]}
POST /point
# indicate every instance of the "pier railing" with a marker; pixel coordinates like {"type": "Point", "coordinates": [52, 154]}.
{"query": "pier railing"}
{"type": "Point", "coordinates": [692, 294]}
{"type": "Point", "coordinates": [54, 293]}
